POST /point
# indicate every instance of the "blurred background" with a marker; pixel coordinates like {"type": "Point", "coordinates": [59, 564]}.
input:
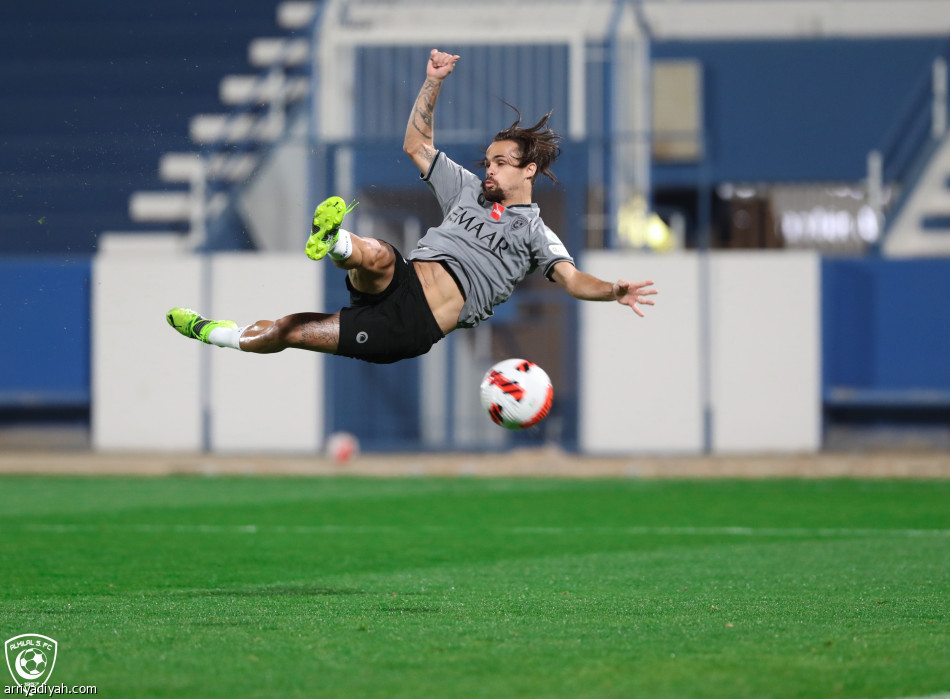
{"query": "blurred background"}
{"type": "Point", "coordinates": [780, 169]}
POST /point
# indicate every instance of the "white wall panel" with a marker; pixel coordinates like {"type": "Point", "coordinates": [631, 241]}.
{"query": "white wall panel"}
{"type": "Point", "coordinates": [766, 356]}
{"type": "Point", "coordinates": [145, 377]}
{"type": "Point", "coordinates": [266, 403]}
{"type": "Point", "coordinates": [640, 380]}
{"type": "Point", "coordinates": [640, 383]}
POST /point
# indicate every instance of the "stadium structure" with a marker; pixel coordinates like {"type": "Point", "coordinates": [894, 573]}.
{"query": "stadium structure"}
{"type": "Point", "coordinates": [779, 167]}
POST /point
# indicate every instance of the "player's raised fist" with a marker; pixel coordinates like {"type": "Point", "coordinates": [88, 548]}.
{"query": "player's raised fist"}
{"type": "Point", "coordinates": [440, 64]}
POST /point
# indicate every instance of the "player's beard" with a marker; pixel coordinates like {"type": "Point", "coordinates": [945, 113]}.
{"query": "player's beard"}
{"type": "Point", "coordinates": [494, 195]}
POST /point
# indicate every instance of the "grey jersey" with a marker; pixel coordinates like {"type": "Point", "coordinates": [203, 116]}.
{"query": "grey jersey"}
{"type": "Point", "coordinates": [488, 247]}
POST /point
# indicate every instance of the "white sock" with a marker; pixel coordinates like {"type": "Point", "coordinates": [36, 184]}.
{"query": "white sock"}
{"type": "Point", "coordinates": [226, 337]}
{"type": "Point", "coordinates": [343, 247]}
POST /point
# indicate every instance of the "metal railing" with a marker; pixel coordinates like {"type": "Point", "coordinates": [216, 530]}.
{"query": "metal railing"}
{"type": "Point", "coordinates": [908, 146]}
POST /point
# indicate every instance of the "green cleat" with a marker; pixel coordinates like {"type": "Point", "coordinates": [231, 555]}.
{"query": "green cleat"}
{"type": "Point", "coordinates": [190, 324]}
{"type": "Point", "coordinates": [327, 220]}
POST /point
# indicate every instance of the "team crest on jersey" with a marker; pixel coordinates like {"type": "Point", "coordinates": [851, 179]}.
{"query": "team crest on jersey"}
{"type": "Point", "coordinates": [519, 223]}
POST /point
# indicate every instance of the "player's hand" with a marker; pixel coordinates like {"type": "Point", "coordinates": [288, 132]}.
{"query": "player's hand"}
{"type": "Point", "coordinates": [440, 64]}
{"type": "Point", "coordinates": [634, 294]}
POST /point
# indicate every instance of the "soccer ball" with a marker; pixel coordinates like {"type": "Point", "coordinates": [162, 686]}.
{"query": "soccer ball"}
{"type": "Point", "coordinates": [516, 394]}
{"type": "Point", "coordinates": [342, 447]}
{"type": "Point", "coordinates": [32, 662]}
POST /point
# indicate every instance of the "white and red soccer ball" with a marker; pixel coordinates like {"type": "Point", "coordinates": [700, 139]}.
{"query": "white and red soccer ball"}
{"type": "Point", "coordinates": [342, 447]}
{"type": "Point", "coordinates": [516, 394]}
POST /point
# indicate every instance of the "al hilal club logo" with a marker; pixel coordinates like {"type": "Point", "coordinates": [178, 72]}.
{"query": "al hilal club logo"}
{"type": "Point", "coordinates": [30, 658]}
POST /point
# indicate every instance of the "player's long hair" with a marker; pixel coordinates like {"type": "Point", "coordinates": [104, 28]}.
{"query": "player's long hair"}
{"type": "Point", "coordinates": [537, 144]}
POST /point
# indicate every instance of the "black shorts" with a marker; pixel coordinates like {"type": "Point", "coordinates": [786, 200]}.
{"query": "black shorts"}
{"type": "Point", "coordinates": [394, 324]}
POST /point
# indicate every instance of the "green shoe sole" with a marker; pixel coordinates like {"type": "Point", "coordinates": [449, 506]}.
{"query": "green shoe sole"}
{"type": "Point", "coordinates": [327, 220]}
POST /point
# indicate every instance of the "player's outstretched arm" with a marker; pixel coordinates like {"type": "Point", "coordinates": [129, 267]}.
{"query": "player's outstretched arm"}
{"type": "Point", "coordinates": [587, 287]}
{"type": "Point", "coordinates": [419, 143]}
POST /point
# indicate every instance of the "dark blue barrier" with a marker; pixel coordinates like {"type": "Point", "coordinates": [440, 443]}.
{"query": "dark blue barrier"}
{"type": "Point", "coordinates": [886, 333]}
{"type": "Point", "coordinates": [45, 341]}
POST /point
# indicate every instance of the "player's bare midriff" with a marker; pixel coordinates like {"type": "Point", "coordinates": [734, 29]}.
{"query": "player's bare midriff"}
{"type": "Point", "coordinates": [443, 294]}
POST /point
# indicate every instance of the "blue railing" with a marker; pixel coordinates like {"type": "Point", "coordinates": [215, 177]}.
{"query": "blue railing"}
{"type": "Point", "coordinates": [909, 145]}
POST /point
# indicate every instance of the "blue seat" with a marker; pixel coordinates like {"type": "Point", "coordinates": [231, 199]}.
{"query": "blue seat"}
{"type": "Point", "coordinates": [94, 94]}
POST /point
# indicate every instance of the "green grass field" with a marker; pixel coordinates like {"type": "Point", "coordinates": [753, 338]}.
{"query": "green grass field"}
{"type": "Point", "coordinates": [424, 587]}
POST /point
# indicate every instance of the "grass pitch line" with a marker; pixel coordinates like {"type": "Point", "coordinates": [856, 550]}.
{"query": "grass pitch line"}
{"type": "Point", "coordinates": [792, 532]}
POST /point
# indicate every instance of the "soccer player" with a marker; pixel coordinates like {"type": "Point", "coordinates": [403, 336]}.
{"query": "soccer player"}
{"type": "Point", "coordinates": [491, 237]}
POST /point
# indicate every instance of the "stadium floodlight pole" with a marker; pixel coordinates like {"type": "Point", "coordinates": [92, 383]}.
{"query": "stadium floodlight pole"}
{"type": "Point", "coordinates": [939, 118]}
{"type": "Point", "coordinates": [198, 209]}
{"type": "Point", "coordinates": [875, 188]}
{"type": "Point", "coordinates": [703, 245]}
{"type": "Point", "coordinates": [205, 371]}
{"type": "Point", "coordinates": [643, 61]}
{"type": "Point", "coordinates": [629, 109]}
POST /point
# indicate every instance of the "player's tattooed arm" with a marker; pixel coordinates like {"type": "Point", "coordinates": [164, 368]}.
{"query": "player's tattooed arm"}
{"type": "Point", "coordinates": [420, 133]}
{"type": "Point", "coordinates": [424, 109]}
{"type": "Point", "coordinates": [419, 143]}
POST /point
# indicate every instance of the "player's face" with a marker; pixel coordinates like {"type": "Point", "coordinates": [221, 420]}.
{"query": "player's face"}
{"type": "Point", "coordinates": [504, 179]}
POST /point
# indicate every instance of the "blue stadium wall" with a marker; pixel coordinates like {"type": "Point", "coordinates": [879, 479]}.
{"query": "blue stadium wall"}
{"type": "Point", "coordinates": [774, 111]}
{"type": "Point", "coordinates": [886, 333]}
{"type": "Point", "coordinates": [805, 111]}
{"type": "Point", "coordinates": [45, 345]}
{"type": "Point", "coordinates": [885, 343]}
